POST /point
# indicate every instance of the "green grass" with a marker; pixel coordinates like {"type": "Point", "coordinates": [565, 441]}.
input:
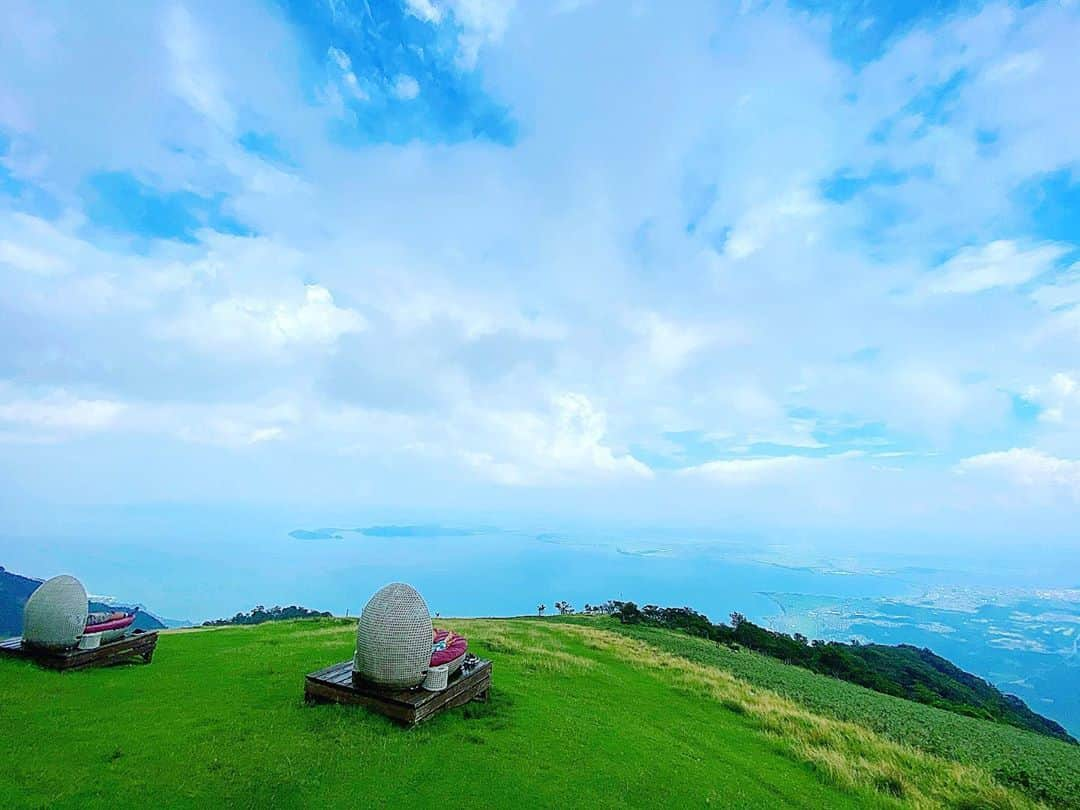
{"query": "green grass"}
{"type": "Point", "coordinates": [1042, 767]}
{"type": "Point", "coordinates": [575, 720]}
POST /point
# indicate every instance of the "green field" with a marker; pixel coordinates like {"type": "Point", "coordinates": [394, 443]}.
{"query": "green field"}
{"type": "Point", "coordinates": [579, 716]}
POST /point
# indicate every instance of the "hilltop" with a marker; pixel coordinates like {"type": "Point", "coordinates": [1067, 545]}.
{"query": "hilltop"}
{"type": "Point", "coordinates": [583, 713]}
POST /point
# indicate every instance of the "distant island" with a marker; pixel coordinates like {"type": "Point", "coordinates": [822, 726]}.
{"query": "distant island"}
{"type": "Point", "coordinates": [384, 531]}
{"type": "Point", "coordinates": [317, 534]}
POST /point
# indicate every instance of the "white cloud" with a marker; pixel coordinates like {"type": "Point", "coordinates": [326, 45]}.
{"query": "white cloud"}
{"type": "Point", "coordinates": [230, 433]}
{"type": "Point", "coordinates": [425, 10]}
{"type": "Point", "coordinates": [742, 471]}
{"type": "Point", "coordinates": [406, 87]}
{"type": "Point", "coordinates": [570, 6]}
{"type": "Point", "coordinates": [788, 219]}
{"type": "Point", "coordinates": [998, 264]}
{"type": "Point", "coordinates": [61, 411]}
{"type": "Point", "coordinates": [1059, 399]}
{"type": "Point", "coordinates": [28, 259]}
{"type": "Point", "coordinates": [1015, 67]}
{"type": "Point", "coordinates": [194, 78]}
{"type": "Point", "coordinates": [482, 22]}
{"type": "Point", "coordinates": [1028, 468]}
{"type": "Point", "coordinates": [58, 414]}
{"type": "Point", "coordinates": [471, 284]}
{"type": "Point", "coordinates": [668, 345]}
{"type": "Point", "coordinates": [348, 78]}
{"type": "Point", "coordinates": [339, 58]}
{"type": "Point", "coordinates": [1064, 292]}
{"type": "Point", "coordinates": [567, 444]}
{"type": "Point", "coordinates": [267, 324]}
{"type": "Point", "coordinates": [934, 397]}
{"type": "Point", "coordinates": [422, 300]}
{"type": "Point", "coordinates": [228, 425]}
{"type": "Point", "coordinates": [1062, 299]}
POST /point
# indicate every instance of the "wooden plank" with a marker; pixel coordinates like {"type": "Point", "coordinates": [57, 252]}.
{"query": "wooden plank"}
{"type": "Point", "coordinates": [318, 690]}
{"type": "Point", "coordinates": [137, 645]}
{"type": "Point", "coordinates": [405, 706]}
{"type": "Point", "coordinates": [468, 688]}
{"type": "Point", "coordinates": [327, 671]}
{"type": "Point", "coordinates": [114, 652]}
{"type": "Point", "coordinates": [342, 676]}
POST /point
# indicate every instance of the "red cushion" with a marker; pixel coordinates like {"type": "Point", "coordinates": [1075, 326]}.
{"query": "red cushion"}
{"type": "Point", "coordinates": [455, 647]}
{"type": "Point", "coordinates": [114, 624]}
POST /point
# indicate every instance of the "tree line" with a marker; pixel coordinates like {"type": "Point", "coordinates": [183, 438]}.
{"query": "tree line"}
{"type": "Point", "coordinates": [260, 614]}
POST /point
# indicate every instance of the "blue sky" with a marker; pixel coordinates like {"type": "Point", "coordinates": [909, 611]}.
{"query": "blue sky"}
{"type": "Point", "coordinates": [776, 265]}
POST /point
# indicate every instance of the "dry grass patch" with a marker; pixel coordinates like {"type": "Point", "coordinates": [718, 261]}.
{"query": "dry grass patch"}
{"type": "Point", "coordinates": [847, 754]}
{"type": "Point", "coordinates": [538, 649]}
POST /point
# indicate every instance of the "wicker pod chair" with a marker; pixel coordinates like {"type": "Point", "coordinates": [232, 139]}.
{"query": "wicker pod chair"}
{"type": "Point", "coordinates": [55, 614]}
{"type": "Point", "coordinates": [393, 639]}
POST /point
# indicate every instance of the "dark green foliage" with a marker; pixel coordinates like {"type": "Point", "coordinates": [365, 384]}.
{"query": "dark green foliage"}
{"type": "Point", "coordinates": [260, 614]}
{"type": "Point", "coordinates": [903, 670]}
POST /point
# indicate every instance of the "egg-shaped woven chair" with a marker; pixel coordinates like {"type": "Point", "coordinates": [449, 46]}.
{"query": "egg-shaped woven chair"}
{"type": "Point", "coordinates": [55, 614]}
{"type": "Point", "coordinates": [393, 640]}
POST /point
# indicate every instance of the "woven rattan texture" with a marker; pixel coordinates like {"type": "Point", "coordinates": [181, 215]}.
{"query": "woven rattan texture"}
{"type": "Point", "coordinates": [55, 614]}
{"type": "Point", "coordinates": [393, 639]}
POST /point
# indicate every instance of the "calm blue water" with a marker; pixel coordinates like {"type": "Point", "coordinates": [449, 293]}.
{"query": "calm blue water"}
{"type": "Point", "coordinates": [220, 570]}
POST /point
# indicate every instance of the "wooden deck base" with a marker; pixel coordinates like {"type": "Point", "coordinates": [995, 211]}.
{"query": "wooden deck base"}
{"type": "Point", "coordinates": [336, 684]}
{"type": "Point", "coordinates": [136, 647]}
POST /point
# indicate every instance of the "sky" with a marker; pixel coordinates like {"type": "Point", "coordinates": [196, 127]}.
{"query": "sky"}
{"type": "Point", "coordinates": [790, 267]}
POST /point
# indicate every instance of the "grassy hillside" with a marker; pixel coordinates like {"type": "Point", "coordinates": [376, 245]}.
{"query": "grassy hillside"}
{"type": "Point", "coordinates": [580, 716]}
{"type": "Point", "coordinates": [900, 670]}
{"type": "Point", "coordinates": [1043, 767]}
{"type": "Point", "coordinates": [919, 674]}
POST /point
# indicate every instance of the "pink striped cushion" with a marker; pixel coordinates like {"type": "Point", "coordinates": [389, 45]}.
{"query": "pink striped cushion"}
{"type": "Point", "coordinates": [112, 624]}
{"type": "Point", "coordinates": [455, 647]}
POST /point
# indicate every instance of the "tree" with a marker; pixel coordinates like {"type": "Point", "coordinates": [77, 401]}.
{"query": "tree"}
{"type": "Point", "coordinates": [540, 609]}
{"type": "Point", "coordinates": [628, 613]}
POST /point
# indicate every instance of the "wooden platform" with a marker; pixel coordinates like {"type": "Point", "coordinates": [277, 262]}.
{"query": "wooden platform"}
{"type": "Point", "coordinates": [407, 706]}
{"type": "Point", "coordinates": [138, 646]}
